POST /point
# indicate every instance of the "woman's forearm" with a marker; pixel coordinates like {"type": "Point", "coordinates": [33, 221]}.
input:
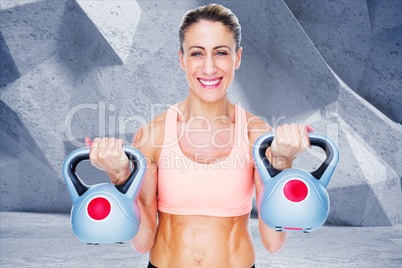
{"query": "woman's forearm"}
{"type": "Point", "coordinates": [145, 238]}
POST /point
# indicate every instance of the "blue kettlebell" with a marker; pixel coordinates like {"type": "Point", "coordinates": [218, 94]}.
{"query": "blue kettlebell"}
{"type": "Point", "coordinates": [104, 213]}
{"type": "Point", "coordinates": [294, 200]}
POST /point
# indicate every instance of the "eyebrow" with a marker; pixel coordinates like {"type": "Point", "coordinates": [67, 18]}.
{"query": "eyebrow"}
{"type": "Point", "coordinates": [218, 47]}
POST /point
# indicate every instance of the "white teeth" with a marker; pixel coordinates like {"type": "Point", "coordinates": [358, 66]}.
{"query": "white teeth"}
{"type": "Point", "coordinates": [209, 83]}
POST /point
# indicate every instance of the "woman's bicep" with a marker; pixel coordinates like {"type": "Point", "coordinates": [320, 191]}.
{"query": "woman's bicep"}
{"type": "Point", "coordinates": [148, 194]}
{"type": "Point", "coordinates": [147, 202]}
{"type": "Point", "coordinates": [149, 189]}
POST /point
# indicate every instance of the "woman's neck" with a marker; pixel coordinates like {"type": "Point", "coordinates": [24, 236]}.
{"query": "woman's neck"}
{"type": "Point", "coordinates": [193, 106]}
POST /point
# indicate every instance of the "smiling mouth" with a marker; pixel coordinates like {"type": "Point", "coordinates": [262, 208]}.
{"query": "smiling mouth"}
{"type": "Point", "coordinates": [209, 82]}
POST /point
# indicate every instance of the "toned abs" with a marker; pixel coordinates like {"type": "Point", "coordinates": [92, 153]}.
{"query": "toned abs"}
{"type": "Point", "coordinates": [187, 241]}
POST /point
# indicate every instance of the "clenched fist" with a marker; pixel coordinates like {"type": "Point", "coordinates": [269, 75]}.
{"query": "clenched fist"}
{"type": "Point", "coordinates": [108, 155]}
{"type": "Point", "coordinates": [289, 141]}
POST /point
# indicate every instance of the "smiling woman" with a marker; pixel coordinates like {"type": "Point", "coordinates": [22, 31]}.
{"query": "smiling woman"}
{"type": "Point", "coordinates": [209, 65]}
{"type": "Point", "coordinates": [197, 213]}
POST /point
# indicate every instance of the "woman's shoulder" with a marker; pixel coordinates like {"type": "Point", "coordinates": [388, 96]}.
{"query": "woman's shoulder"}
{"type": "Point", "coordinates": [150, 136]}
{"type": "Point", "coordinates": [256, 126]}
{"type": "Point", "coordinates": [254, 122]}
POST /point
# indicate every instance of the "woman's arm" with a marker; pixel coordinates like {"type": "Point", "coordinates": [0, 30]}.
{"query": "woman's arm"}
{"type": "Point", "coordinates": [108, 155]}
{"type": "Point", "coordinates": [289, 141]}
{"type": "Point", "coordinates": [147, 202]}
{"type": "Point", "coordinates": [272, 240]}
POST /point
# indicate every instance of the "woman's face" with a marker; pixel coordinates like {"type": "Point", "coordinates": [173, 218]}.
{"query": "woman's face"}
{"type": "Point", "coordinates": [209, 59]}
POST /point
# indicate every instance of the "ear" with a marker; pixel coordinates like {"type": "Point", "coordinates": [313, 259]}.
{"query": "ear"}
{"type": "Point", "coordinates": [238, 58]}
{"type": "Point", "coordinates": [182, 65]}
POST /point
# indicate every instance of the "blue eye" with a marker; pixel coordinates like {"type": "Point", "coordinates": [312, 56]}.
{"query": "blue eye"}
{"type": "Point", "coordinates": [222, 53]}
{"type": "Point", "coordinates": [196, 54]}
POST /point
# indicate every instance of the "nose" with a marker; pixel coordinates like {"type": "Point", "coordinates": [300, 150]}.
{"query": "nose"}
{"type": "Point", "coordinates": [209, 65]}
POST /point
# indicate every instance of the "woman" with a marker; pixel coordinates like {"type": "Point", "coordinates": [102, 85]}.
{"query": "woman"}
{"type": "Point", "coordinates": [200, 176]}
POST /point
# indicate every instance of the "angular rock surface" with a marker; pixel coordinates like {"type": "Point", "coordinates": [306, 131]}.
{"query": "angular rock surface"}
{"type": "Point", "coordinates": [76, 69]}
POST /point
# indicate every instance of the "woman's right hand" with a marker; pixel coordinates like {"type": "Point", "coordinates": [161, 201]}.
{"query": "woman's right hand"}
{"type": "Point", "coordinates": [108, 155]}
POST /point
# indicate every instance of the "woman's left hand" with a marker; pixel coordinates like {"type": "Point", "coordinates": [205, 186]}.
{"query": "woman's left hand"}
{"type": "Point", "coordinates": [289, 141]}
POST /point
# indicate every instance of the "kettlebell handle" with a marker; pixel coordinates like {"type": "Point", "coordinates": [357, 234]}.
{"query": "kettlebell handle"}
{"type": "Point", "coordinates": [316, 139]}
{"type": "Point", "coordinates": [72, 180]}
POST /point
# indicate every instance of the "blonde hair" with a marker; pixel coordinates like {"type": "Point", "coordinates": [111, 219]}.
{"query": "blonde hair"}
{"type": "Point", "coordinates": [215, 13]}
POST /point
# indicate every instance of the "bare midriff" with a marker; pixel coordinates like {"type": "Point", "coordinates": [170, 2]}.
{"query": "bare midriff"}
{"type": "Point", "coordinates": [204, 241]}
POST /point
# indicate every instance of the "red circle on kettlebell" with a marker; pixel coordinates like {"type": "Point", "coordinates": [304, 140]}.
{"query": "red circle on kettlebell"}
{"type": "Point", "coordinates": [99, 208]}
{"type": "Point", "coordinates": [295, 190]}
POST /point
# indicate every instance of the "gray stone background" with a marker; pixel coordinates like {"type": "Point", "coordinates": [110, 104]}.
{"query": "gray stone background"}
{"type": "Point", "coordinates": [76, 68]}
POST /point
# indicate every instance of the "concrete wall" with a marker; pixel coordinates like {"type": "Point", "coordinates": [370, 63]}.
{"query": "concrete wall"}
{"type": "Point", "coordinates": [362, 42]}
{"type": "Point", "coordinates": [66, 72]}
{"type": "Point", "coordinates": [300, 86]}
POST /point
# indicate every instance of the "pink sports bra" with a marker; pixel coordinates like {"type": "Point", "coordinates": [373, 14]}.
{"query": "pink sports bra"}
{"type": "Point", "coordinates": [222, 189]}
